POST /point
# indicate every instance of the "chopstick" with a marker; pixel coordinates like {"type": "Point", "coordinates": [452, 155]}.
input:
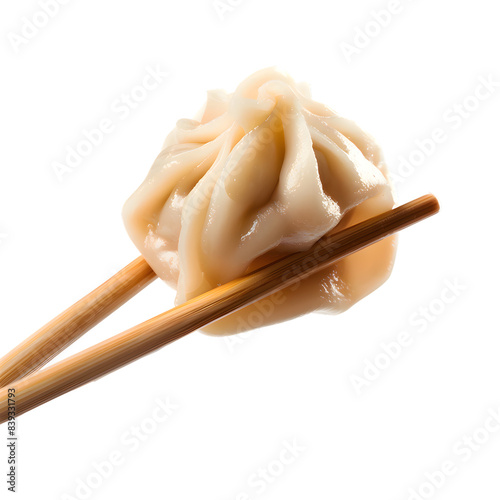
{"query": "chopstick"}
{"type": "Point", "coordinates": [157, 332]}
{"type": "Point", "coordinates": [38, 349]}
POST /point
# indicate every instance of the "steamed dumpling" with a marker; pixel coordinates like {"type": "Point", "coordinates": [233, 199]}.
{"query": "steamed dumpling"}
{"type": "Point", "coordinates": [263, 172]}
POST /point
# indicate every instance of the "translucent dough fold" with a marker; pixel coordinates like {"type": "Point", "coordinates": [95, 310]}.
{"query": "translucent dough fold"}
{"type": "Point", "coordinates": [264, 172]}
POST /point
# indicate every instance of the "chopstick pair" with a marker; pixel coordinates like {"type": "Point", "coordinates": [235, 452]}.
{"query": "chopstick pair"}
{"type": "Point", "coordinates": [18, 369]}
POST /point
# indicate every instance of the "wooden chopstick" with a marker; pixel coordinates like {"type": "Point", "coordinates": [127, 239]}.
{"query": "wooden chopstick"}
{"type": "Point", "coordinates": [149, 336]}
{"type": "Point", "coordinates": [78, 319]}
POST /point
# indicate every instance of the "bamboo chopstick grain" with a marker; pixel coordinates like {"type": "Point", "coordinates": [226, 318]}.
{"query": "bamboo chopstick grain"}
{"type": "Point", "coordinates": [147, 337]}
{"type": "Point", "coordinates": [78, 319]}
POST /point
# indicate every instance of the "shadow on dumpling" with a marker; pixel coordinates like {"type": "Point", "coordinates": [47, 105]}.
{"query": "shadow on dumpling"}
{"type": "Point", "coordinates": [264, 172]}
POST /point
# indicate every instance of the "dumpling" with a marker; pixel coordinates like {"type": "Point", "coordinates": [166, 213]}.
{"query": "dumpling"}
{"type": "Point", "coordinates": [262, 172]}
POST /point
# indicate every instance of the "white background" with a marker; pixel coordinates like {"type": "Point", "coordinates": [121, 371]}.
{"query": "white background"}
{"type": "Point", "coordinates": [238, 403]}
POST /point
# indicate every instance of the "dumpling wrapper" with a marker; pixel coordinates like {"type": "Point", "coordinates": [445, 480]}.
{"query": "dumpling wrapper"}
{"type": "Point", "coordinates": [263, 172]}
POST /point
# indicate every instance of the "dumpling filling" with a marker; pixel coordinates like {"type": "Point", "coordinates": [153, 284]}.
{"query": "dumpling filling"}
{"type": "Point", "coordinates": [263, 172]}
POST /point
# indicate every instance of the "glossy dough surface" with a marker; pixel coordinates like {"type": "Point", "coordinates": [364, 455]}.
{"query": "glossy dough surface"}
{"type": "Point", "coordinates": [263, 172]}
